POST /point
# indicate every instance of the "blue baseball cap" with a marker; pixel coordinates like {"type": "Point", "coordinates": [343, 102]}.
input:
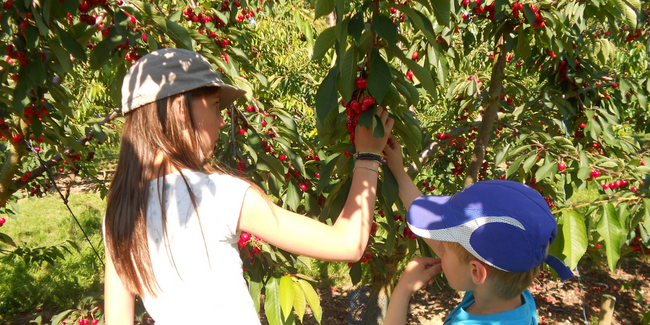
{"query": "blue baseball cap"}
{"type": "Point", "coordinates": [505, 224]}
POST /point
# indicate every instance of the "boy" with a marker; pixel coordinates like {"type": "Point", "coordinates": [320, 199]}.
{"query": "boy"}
{"type": "Point", "coordinates": [491, 239]}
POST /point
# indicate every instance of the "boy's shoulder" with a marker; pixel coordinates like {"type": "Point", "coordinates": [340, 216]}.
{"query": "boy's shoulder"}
{"type": "Point", "coordinates": [526, 314]}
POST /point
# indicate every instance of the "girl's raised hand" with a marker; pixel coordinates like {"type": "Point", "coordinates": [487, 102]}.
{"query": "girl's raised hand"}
{"type": "Point", "coordinates": [364, 142]}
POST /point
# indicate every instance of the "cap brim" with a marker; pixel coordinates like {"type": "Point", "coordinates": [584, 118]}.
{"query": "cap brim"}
{"type": "Point", "coordinates": [426, 218]}
{"type": "Point", "coordinates": [229, 94]}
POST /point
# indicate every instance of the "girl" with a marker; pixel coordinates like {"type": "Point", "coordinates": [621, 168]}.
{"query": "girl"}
{"type": "Point", "coordinates": [173, 221]}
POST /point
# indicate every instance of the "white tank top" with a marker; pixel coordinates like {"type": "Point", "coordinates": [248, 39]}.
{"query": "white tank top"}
{"type": "Point", "coordinates": [198, 290]}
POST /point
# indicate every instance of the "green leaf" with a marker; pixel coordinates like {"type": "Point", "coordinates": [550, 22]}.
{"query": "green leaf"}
{"type": "Point", "coordinates": [420, 21]}
{"type": "Point", "coordinates": [379, 79]}
{"type": "Point", "coordinates": [515, 166]}
{"type": "Point", "coordinates": [61, 54]}
{"type": "Point", "coordinates": [385, 28]}
{"type": "Point", "coordinates": [326, 96]}
{"type": "Point", "coordinates": [442, 10]}
{"type": "Point", "coordinates": [626, 8]}
{"type": "Point", "coordinates": [272, 305]}
{"type": "Point", "coordinates": [378, 126]}
{"type": "Point", "coordinates": [530, 161]}
{"type": "Point", "coordinates": [323, 7]}
{"type": "Point", "coordinates": [289, 121]}
{"type": "Point", "coordinates": [419, 72]}
{"type": "Point", "coordinates": [287, 295]}
{"type": "Point", "coordinates": [293, 196]}
{"type": "Point", "coordinates": [501, 155]}
{"type": "Point", "coordinates": [355, 273]}
{"type": "Point", "coordinates": [313, 299]}
{"type": "Point", "coordinates": [390, 188]}
{"type": "Point", "coordinates": [545, 171]}
{"type": "Point", "coordinates": [255, 287]}
{"type": "Point", "coordinates": [61, 316]}
{"type": "Point", "coordinates": [356, 26]}
{"type": "Point", "coordinates": [299, 300]}
{"type": "Point", "coordinates": [584, 173]}
{"type": "Point", "coordinates": [7, 240]}
{"type": "Point", "coordinates": [179, 35]}
{"type": "Point", "coordinates": [646, 212]}
{"type": "Point", "coordinates": [366, 119]}
{"type": "Point", "coordinates": [348, 74]}
{"type": "Point", "coordinates": [324, 42]}
{"type": "Point", "coordinates": [610, 229]}
{"type": "Point", "coordinates": [575, 237]}
{"type": "Point", "coordinates": [70, 44]}
{"type": "Point", "coordinates": [523, 45]}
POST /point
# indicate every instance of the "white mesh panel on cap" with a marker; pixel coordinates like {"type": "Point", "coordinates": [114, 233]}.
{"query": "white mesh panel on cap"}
{"type": "Point", "coordinates": [462, 233]}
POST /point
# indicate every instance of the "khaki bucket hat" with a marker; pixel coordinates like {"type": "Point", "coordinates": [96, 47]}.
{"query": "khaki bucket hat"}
{"type": "Point", "coordinates": [168, 72]}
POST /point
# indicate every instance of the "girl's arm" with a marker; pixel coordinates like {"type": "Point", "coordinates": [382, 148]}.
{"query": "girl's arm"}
{"type": "Point", "coordinates": [119, 303]}
{"type": "Point", "coordinates": [347, 238]}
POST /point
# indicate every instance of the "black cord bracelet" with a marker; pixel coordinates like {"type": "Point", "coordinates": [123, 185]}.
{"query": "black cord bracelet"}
{"type": "Point", "coordinates": [369, 156]}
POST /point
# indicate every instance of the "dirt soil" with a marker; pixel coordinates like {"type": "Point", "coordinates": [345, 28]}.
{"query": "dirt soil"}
{"type": "Point", "coordinates": [558, 302]}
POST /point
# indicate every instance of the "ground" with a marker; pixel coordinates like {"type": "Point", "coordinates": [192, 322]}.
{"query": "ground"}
{"type": "Point", "coordinates": [558, 302]}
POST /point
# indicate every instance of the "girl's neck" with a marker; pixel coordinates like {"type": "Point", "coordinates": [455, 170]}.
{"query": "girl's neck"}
{"type": "Point", "coordinates": [486, 303]}
{"type": "Point", "coordinates": [160, 162]}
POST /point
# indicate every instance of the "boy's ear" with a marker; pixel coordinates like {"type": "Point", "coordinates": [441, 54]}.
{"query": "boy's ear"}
{"type": "Point", "coordinates": [479, 272]}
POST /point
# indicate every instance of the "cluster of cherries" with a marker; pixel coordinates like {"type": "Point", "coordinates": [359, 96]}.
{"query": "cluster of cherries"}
{"type": "Point", "coordinates": [244, 240]}
{"type": "Point", "coordinates": [357, 105]}
{"type": "Point", "coordinates": [83, 321]}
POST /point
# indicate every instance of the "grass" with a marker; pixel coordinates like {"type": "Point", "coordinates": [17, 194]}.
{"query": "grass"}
{"type": "Point", "coordinates": [45, 222]}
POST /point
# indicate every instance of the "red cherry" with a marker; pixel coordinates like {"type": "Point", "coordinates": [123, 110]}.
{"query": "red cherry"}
{"type": "Point", "coordinates": [94, 322]}
{"type": "Point", "coordinates": [245, 236]}
{"type": "Point", "coordinates": [242, 131]}
{"type": "Point", "coordinates": [2, 220]}
{"type": "Point", "coordinates": [415, 55]}
{"type": "Point", "coordinates": [83, 7]}
{"type": "Point", "coordinates": [409, 75]}
{"type": "Point", "coordinates": [132, 19]}
{"type": "Point", "coordinates": [250, 108]}
{"type": "Point", "coordinates": [355, 105]}
{"type": "Point", "coordinates": [362, 82]}
{"type": "Point", "coordinates": [37, 149]}
{"type": "Point", "coordinates": [263, 123]}
{"type": "Point", "coordinates": [561, 166]}
{"type": "Point", "coordinates": [303, 187]}
{"type": "Point", "coordinates": [597, 246]}
{"type": "Point", "coordinates": [368, 101]}
{"type": "Point", "coordinates": [283, 157]}
{"type": "Point", "coordinates": [605, 186]}
{"type": "Point", "coordinates": [582, 125]}
{"type": "Point", "coordinates": [633, 188]}
{"type": "Point", "coordinates": [317, 175]}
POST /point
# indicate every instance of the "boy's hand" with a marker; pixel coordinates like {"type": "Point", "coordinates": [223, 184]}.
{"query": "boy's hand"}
{"type": "Point", "coordinates": [393, 154]}
{"type": "Point", "coordinates": [419, 272]}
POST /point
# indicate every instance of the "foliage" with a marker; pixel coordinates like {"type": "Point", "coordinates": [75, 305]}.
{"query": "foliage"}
{"type": "Point", "coordinates": [553, 94]}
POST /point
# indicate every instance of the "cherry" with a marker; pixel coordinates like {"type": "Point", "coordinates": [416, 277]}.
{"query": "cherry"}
{"type": "Point", "coordinates": [250, 108]}
{"type": "Point", "coordinates": [94, 322]}
{"type": "Point", "coordinates": [84, 7]}
{"type": "Point", "coordinates": [415, 54]}
{"type": "Point", "coordinates": [362, 82]}
{"type": "Point", "coordinates": [17, 138]}
{"type": "Point", "coordinates": [368, 101]}
{"type": "Point", "coordinates": [582, 125]}
{"type": "Point", "coordinates": [317, 175]}
{"type": "Point", "coordinates": [303, 187]}
{"type": "Point", "coordinates": [242, 131]}
{"type": "Point", "coordinates": [355, 105]}
{"type": "Point", "coordinates": [283, 157]}
{"type": "Point", "coordinates": [37, 149]}
{"type": "Point", "coordinates": [263, 123]}
{"type": "Point", "coordinates": [409, 75]}
{"type": "Point", "coordinates": [245, 236]}
{"type": "Point", "coordinates": [633, 189]}
{"type": "Point", "coordinates": [561, 166]}
{"type": "Point", "coordinates": [605, 186]}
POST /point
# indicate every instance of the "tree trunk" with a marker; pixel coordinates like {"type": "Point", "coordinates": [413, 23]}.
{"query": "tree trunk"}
{"type": "Point", "coordinates": [382, 286]}
{"type": "Point", "coordinates": [490, 115]}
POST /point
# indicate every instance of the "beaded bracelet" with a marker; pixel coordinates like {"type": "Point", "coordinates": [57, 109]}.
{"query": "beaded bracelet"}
{"type": "Point", "coordinates": [369, 168]}
{"type": "Point", "coordinates": [369, 156]}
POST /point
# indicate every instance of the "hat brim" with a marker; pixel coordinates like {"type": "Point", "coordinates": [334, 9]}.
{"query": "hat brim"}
{"type": "Point", "coordinates": [229, 94]}
{"type": "Point", "coordinates": [427, 219]}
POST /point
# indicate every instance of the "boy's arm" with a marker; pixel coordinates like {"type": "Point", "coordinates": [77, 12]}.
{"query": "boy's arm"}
{"type": "Point", "coordinates": [398, 307]}
{"type": "Point", "coordinates": [408, 192]}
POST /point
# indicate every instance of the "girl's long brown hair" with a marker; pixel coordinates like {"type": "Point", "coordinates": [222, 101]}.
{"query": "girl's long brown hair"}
{"type": "Point", "coordinates": [151, 129]}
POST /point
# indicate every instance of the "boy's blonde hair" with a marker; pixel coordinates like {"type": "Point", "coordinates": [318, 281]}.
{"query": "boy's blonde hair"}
{"type": "Point", "coordinates": [506, 285]}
